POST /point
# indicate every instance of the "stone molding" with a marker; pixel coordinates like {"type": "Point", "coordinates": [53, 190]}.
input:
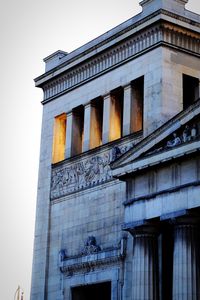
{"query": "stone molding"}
{"type": "Point", "coordinates": [80, 263]}
{"type": "Point", "coordinates": [162, 192]}
{"type": "Point", "coordinates": [164, 33]}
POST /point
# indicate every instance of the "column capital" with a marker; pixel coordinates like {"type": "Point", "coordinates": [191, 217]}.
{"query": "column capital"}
{"type": "Point", "coordinates": [87, 105]}
{"type": "Point", "coordinates": [106, 96]}
{"type": "Point", "coordinates": [69, 113]}
{"type": "Point", "coordinates": [186, 221]}
{"type": "Point", "coordinates": [127, 86]}
{"type": "Point", "coordinates": [148, 230]}
{"type": "Point", "coordinates": [186, 218]}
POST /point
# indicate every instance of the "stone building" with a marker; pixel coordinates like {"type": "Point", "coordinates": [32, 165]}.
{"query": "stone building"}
{"type": "Point", "coordinates": [119, 181]}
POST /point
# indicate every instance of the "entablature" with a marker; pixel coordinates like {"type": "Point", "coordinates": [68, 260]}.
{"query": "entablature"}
{"type": "Point", "coordinates": [158, 30]}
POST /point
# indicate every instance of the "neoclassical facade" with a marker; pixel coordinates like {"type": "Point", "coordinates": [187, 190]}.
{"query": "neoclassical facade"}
{"type": "Point", "coordinates": [118, 208]}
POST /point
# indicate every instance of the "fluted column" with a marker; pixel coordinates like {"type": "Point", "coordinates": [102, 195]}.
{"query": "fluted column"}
{"type": "Point", "coordinates": [145, 265]}
{"type": "Point", "coordinates": [185, 262]}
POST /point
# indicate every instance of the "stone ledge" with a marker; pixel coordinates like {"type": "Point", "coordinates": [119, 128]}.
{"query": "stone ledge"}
{"type": "Point", "coordinates": [74, 264]}
{"type": "Point", "coordinates": [167, 191]}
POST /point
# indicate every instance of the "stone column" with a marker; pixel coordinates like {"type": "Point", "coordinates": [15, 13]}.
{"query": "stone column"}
{"type": "Point", "coordinates": [68, 150]}
{"type": "Point", "coordinates": [87, 124]}
{"type": "Point", "coordinates": [185, 261]}
{"type": "Point", "coordinates": [106, 118]}
{"type": "Point", "coordinates": [145, 265]}
{"type": "Point", "coordinates": [127, 110]}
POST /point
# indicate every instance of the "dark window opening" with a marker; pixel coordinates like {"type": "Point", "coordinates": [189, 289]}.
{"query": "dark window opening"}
{"type": "Point", "coordinates": [100, 291]}
{"type": "Point", "coordinates": [190, 90]}
{"type": "Point", "coordinates": [77, 130]}
{"type": "Point", "coordinates": [96, 123]}
{"type": "Point", "coordinates": [137, 104]}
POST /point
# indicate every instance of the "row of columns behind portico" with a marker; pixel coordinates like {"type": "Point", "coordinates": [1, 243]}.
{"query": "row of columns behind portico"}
{"type": "Point", "coordinates": [185, 262]}
{"type": "Point", "coordinates": [117, 120]}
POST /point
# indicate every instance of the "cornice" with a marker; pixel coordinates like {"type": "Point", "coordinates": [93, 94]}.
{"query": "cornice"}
{"type": "Point", "coordinates": [162, 192]}
{"type": "Point", "coordinates": [159, 34]}
{"type": "Point", "coordinates": [120, 30]}
{"type": "Point", "coordinates": [55, 84]}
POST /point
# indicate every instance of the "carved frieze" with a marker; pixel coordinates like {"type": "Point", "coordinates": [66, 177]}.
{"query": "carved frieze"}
{"type": "Point", "coordinates": [85, 172]}
{"type": "Point", "coordinates": [79, 175]}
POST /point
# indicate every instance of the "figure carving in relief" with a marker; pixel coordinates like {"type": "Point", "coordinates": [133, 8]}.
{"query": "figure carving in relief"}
{"type": "Point", "coordinates": [194, 132]}
{"type": "Point", "coordinates": [174, 142]}
{"type": "Point", "coordinates": [80, 173]}
{"type": "Point", "coordinates": [90, 246]}
{"type": "Point", "coordinates": [87, 172]}
{"type": "Point", "coordinates": [186, 134]}
{"type": "Point", "coordinates": [116, 153]}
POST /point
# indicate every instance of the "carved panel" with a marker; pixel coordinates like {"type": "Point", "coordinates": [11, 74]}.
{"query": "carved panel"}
{"type": "Point", "coordinates": [88, 262]}
{"type": "Point", "coordinates": [85, 172]}
{"type": "Point", "coordinates": [188, 133]}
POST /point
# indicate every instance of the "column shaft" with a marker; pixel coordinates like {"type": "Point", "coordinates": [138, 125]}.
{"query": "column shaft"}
{"type": "Point", "coordinates": [185, 263]}
{"type": "Point", "coordinates": [145, 267]}
{"type": "Point", "coordinates": [68, 148]}
{"type": "Point", "coordinates": [106, 118]}
{"type": "Point", "coordinates": [127, 110]}
{"type": "Point", "coordinates": [87, 125]}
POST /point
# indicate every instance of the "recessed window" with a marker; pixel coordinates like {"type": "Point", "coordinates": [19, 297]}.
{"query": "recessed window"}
{"type": "Point", "coordinates": [116, 114]}
{"type": "Point", "coordinates": [59, 138]}
{"type": "Point", "coordinates": [96, 123]}
{"type": "Point", "coordinates": [77, 130]}
{"type": "Point", "coordinates": [137, 102]}
{"type": "Point", "coordinates": [190, 90]}
{"type": "Point", "coordinates": [99, 291]}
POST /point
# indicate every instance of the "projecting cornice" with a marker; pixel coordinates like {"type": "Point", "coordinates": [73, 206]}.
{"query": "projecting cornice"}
{"type": "Point", "coordinates": [131, 41]}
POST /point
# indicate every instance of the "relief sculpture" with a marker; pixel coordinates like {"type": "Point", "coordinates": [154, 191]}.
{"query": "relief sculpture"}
{"type": "Point", "coordinates": [85, 173]}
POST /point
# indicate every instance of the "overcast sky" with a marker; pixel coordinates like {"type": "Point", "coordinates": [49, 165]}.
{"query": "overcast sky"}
{"type": "Point", "coordinates": [30, 31]}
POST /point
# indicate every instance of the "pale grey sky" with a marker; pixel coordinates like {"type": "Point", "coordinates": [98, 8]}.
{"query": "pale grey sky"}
{"type": "Point", "coordinates": [30, 31]}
